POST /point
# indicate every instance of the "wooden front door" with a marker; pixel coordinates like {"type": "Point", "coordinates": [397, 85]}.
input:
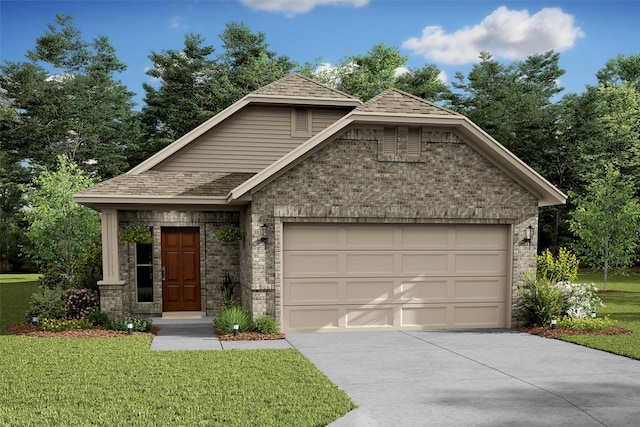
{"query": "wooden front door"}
{"type": "Point", "coordinates": [181, 269]}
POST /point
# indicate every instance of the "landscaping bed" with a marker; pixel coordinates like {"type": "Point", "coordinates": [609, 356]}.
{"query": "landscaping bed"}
{"type": "Point", "coordinates": [250, 336]}
{"type": "Point", "coordinates": [98, 332]}
{"type": "Point", "coordinates": [547, 332]}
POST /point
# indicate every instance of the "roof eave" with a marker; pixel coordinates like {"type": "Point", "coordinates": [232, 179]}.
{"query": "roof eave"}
{"type": "Point", "coordinates": [97, 201]}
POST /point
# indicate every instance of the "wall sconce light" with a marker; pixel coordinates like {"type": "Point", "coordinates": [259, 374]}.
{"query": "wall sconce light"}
{"type": "Point", "coordinates": [265, 234]}
{"type": "Point", "coordinates": [528, 235]}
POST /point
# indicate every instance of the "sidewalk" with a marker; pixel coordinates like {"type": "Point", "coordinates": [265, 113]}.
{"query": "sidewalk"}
{"type": "Point", "coordinates": [198, 335]}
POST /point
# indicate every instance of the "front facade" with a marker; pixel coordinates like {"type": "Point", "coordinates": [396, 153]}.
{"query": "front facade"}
{"type": "Point", "coordinates": [391, 214]}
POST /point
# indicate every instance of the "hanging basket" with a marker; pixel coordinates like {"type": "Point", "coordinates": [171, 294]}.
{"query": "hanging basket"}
{"type": "Point", "coordinates": [228, 233]}
{"type": "Point", "coordinates": [136, 232]}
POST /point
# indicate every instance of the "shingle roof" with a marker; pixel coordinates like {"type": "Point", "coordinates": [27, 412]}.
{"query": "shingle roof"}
{"type": "Point", "coordinates": [298, 85]}
{"type": "Point", "coordinates": [167, 184]}
{"type": "Point", "coordinates": [396, 101]}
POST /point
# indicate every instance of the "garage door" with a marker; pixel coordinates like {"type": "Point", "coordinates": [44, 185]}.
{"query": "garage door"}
{"type": "Point", "coordinates": [382, 276]}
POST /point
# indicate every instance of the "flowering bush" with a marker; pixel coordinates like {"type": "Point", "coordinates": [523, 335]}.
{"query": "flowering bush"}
{"type": "Point", "coordinates": [587, 324]}
{"type": "Point", "coordinates": [136, 232]}
{"type": "Point", "coordinates": [564, 268]}
{"type": "Point", "coordinates": [579, 299]}
{"type": "Point", "coordinates": [228, 233]}
{"type": "Point", "coordinates": [78, 303]}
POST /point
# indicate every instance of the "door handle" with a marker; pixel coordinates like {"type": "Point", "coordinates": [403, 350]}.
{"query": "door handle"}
{"type": "Point", "coordinates": [164, 274]}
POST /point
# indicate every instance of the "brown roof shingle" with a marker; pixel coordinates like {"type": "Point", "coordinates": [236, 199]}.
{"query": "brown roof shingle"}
{"type": "Point", "coordinates": [169, 184]}
{"type": "Point", "coordinates": [298, 85]}
{"type": "Point", "coordinates": [396, 101]}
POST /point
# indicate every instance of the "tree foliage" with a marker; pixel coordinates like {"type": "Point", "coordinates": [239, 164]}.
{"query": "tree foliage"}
{"type": "Point", "coordinates": [61, 231]}
{"type": "Point", "coordinates": [606, 222]}
{"type": "Point", "coordinates": [67, 103]}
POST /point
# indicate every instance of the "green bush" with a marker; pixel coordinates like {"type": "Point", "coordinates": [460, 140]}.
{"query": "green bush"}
{"type": "Point", "coordinates": [564, 268]}
{"type": "Point", "coordinates": [46, 304]}
{"type": "Point", "coordinates": [63, 324]}
{"type": "Point", "coordinates": [140, 324]}
{"type": "Point", "coordinates": [223, 324]}
{"type": "Point", "coordinates": [266, 325]}
{"type": "Point", "coordinates": [98, 318]}
{"type": "Point", "coordinates": [52, 279]}
{"type": "Point", "coordinates": [586, 324]}
{"type": "Point", "coordinates": [88, 269]}
{"type": "Point", "coordinates": [539, 302]}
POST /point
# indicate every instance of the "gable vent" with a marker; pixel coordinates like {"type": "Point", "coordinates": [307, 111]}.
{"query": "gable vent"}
{"type": "Point", "coordinates": [301, 122]}
{"type": "Point", "coordinates": [413, 142]}
{"type": "Point", "coordinates": [389, 141]}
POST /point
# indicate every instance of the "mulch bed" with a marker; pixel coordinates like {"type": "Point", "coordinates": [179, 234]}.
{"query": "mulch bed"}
{"type": "Point", "coordinates": [31, 331]}
{"type": "Point", "coordinates": [250, 336]}
{"type": "Point", "coordinates": [547, 332]}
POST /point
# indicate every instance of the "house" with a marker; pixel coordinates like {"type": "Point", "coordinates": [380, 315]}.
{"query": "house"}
{"type": "Point", "coordinates": [390, 214]}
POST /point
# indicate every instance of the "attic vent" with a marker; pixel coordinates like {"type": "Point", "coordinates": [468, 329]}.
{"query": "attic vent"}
{"type": "Point", "coordinates": [301, 125]}
{"type": "Point", "coordinates": [413, 142]}
{"type": "Point", "coordinates": [389, 143]}
{"type": "Point", "coordinates": [402, 142]}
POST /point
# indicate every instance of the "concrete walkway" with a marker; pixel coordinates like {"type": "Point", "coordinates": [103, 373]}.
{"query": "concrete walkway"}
{"type": "Point", "coordinates": [454, 378]}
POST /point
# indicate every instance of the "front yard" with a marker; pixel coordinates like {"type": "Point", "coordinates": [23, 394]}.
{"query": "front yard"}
{"type": "Point", "coordinates": [118, 381]}
{"type": "Point", "coordinates": [622, 304]}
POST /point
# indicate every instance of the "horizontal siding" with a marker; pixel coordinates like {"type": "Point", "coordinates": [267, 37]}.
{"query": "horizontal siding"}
{"type": "Point", "coordinates": [248, 142]}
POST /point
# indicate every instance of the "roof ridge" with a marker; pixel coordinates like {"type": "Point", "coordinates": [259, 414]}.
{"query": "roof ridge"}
{"type": "Point", "coordinates": [287, 86]}
{"type": "Point", "coordinates": [394, 100]}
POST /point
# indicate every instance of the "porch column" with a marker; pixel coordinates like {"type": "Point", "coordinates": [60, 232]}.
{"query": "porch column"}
{"type": "Point", "coordinates": [111, 287]}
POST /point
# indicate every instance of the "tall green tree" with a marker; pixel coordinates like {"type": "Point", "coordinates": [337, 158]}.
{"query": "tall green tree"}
{"type": "Point", "coordinates": [606, 222]}
{"type": "Point", "coordinates": [68, 102]}
{"type": "Point", "coordinates": [619, 70]}
{"type": "Point", "coordinates": [424, 83]}
{"type": "Point", "coordinates": [185, 96]}
{"type": "Point", "coordinates": [247, 62]}
{"type": "Point", "coordinates": [513, 103]}
{"type": "Point", "coordinates": [61, 231]}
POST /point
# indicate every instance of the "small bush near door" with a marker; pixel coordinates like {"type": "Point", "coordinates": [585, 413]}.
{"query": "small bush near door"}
{"type": "Point", "coordinates": [228, 316]}
{"type": "Point", "coordinates": [266, 325]}
{"type": "Point", "coordinates": [540, 301]}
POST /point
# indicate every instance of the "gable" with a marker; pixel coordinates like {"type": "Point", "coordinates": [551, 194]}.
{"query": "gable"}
{"type": "Point", "coordinates": [252, 139]}
{"type": "Point", "coordinates": [450, 180]}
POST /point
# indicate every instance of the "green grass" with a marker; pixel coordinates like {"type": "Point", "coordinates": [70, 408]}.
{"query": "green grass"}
{"type": "Point", "coordinates": [119, 381]}
{"type": "Point", "coordinates": [624, 307]}
{"type": "Point", "coordinates": [15, 293]}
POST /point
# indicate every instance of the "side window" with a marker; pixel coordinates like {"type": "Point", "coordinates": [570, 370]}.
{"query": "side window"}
{"type": "Point", "coordinates": [144, 271]}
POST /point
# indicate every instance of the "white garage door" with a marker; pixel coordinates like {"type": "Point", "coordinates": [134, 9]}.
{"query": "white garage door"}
{"type": "Point", "coordinates": [368, 276]}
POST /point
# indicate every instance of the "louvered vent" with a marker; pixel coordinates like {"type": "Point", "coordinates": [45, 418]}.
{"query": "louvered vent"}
{"type": "Point", "coordinates": [413, 143]}
{"type": "Point", "coordinates": [389, 141]}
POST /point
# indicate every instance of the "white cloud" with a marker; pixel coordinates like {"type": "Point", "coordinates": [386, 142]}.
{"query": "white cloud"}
{"type": "Point", "coordinates": [294, 7]}
{"type": "Point", "coordinates": [178, 22]}
{"type": "Point", "coordinates": [510, 34]}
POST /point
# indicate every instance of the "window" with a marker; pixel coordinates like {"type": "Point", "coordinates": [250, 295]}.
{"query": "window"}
{"type": "Point", "coordinates": [301, 124]}
{"type": "Point", "coordinates": [401, 143]}
{"type": "Point", "coordinates": [144, 271]}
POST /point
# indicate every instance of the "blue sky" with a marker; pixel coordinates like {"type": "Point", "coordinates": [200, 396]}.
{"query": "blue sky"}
{"type": "Point", "coordinates": [446, 33]}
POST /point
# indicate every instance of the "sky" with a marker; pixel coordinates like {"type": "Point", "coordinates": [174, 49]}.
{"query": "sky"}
{"type": "Point", "coordinates": [449, 34]}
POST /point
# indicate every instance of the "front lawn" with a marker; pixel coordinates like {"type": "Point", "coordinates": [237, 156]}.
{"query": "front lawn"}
{"type": "Point", "coordinates": [15, 293]}
{"type": "Point", "coordinates": [622, 304]}
{"type": "Point", "coordinates": [118, 381]}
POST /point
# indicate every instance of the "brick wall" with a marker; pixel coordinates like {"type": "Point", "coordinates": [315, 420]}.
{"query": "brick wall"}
{"type": "Point", "coordinates": [350, 181]}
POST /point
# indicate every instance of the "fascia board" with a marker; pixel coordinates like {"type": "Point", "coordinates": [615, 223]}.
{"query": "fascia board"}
{"type": "Point", "coordinates": [156, 200]}
{"type": "Point", "coordinates": [303, 100]}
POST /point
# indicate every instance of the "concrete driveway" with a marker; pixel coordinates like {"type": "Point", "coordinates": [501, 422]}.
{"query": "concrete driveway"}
{"type": "Point", "coordinates": [474, 378]}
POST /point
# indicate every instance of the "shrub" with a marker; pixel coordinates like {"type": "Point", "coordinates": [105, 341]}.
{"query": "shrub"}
{"type": "Point", "coordinates": [561, 269]}
{"type": "Point", "coordinates": [63, 324]}
{"type": "Point", "coordinates": [587, 324]}
{"type": "Point", "coordinates": [140, 324]}
{"type": "Point", "coordinates": [78, 303]}
{"type": "Point", "coordinates": [52, 279]}
{"type": "Point", "coordinates": [88, 269]}
{"type": "Point", "coordinates": [540, 301]}
{"type": "Point", "coordinates": [228, 233]}
{"type": "Point", "coordinates": [226, 287]}
{"type": "Point", "coordinates": [46, 304]}
{"type": "Point", "coordinates": [98, 318]}
{"type": "Point", "coordinates": [579, 299]}
{"type": "Point", "coordinates": [266, 325]}
{"type": "Point", "coordinates": [223, 324]}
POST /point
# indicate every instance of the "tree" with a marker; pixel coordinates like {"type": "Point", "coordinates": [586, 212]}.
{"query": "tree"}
{"type": "Point", "coordinates": [424, 83]}
{"type": "Point", "coordinates": [67, 102]}
{"type": "Point", "coordinates": [61, 231]}
{"type": "Point", "coordinates": [621, 69]}
{"type": "Point", "coordinates": [607, 223]}
{"type": "Point", "coordinates": [186, 96]}
{"type": "Point", "coordinates": [247, 62]}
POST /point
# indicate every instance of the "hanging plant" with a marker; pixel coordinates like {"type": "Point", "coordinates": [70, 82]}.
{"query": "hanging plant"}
{"type": "Point", "coordinates": [136, 232]}
{"type": "Point", "coordinates": [228, 233]}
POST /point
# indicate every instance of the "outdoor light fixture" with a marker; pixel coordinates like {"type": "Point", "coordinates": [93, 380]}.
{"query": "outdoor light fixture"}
{"type": "Point", "coordinates": [593, 314]}
{"type": "Point", "coordinates": [528, 235]}
{"type": "Point", "coordinates": [34, 320]}
{"type": "Point", "coordinates": [265, 234]}
{"type": "Point", "coordinates": [129, 328]}
{"type": "Point", "coordinates": [236, 329]}
{"type": "Point", "coordinates": [553, 323]}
